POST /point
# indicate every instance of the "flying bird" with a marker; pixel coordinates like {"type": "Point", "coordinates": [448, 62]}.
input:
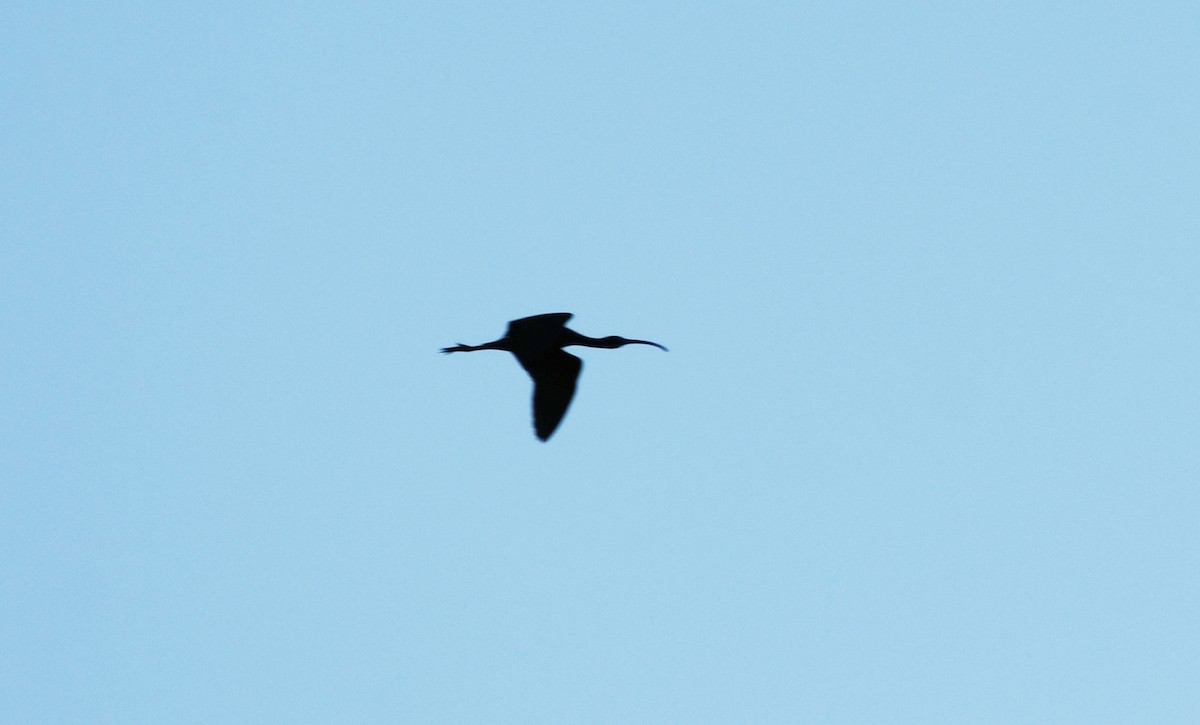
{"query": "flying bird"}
{"type": "Point", "coordinates": [538, 343]}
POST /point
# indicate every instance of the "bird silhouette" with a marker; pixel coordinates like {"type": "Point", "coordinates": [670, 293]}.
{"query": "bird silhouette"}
{"type": "Point", "coordinates": [538, 344]}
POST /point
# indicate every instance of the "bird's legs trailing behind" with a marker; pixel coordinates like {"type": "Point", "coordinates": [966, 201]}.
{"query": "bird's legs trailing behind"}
{"type": "Point", "coordinates": [497, 345]}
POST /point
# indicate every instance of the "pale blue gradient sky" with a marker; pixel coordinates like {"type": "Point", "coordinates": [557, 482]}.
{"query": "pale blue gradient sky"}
{"type": "Point", "coordinates": [924, 449]}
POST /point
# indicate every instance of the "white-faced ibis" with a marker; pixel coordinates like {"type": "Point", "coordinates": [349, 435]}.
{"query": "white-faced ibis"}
{"type": "Point", "coordinates": [538, 343]}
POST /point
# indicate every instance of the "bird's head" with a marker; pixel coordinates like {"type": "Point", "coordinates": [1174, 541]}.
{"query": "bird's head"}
{"type": "Point", "coordinates": [614, 341]}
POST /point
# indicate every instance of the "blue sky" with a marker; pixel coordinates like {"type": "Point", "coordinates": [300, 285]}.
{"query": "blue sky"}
{"type": "Point", "coordinates": [923, 450]}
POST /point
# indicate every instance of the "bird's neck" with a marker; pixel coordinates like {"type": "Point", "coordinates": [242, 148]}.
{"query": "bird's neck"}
{"type": "Point", "coordinates": [607, 343]}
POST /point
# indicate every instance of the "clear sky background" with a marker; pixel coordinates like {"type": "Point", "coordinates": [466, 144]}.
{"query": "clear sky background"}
{"type": "Point", "coordinates": [924, 449]}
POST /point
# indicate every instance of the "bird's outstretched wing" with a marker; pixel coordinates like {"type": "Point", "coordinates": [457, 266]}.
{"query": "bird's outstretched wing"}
{"type": "Point", "coordinates": [554, 376]}
{"type": "Point", "coordinates": [538, 324]}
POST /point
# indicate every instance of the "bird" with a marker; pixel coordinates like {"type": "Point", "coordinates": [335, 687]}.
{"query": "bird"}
{"type": "Point", "coordinates": [538, 342]}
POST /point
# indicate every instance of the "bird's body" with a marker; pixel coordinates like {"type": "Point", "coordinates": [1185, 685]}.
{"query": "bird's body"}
{"type": "Point", "coordinates": [538, 342]}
